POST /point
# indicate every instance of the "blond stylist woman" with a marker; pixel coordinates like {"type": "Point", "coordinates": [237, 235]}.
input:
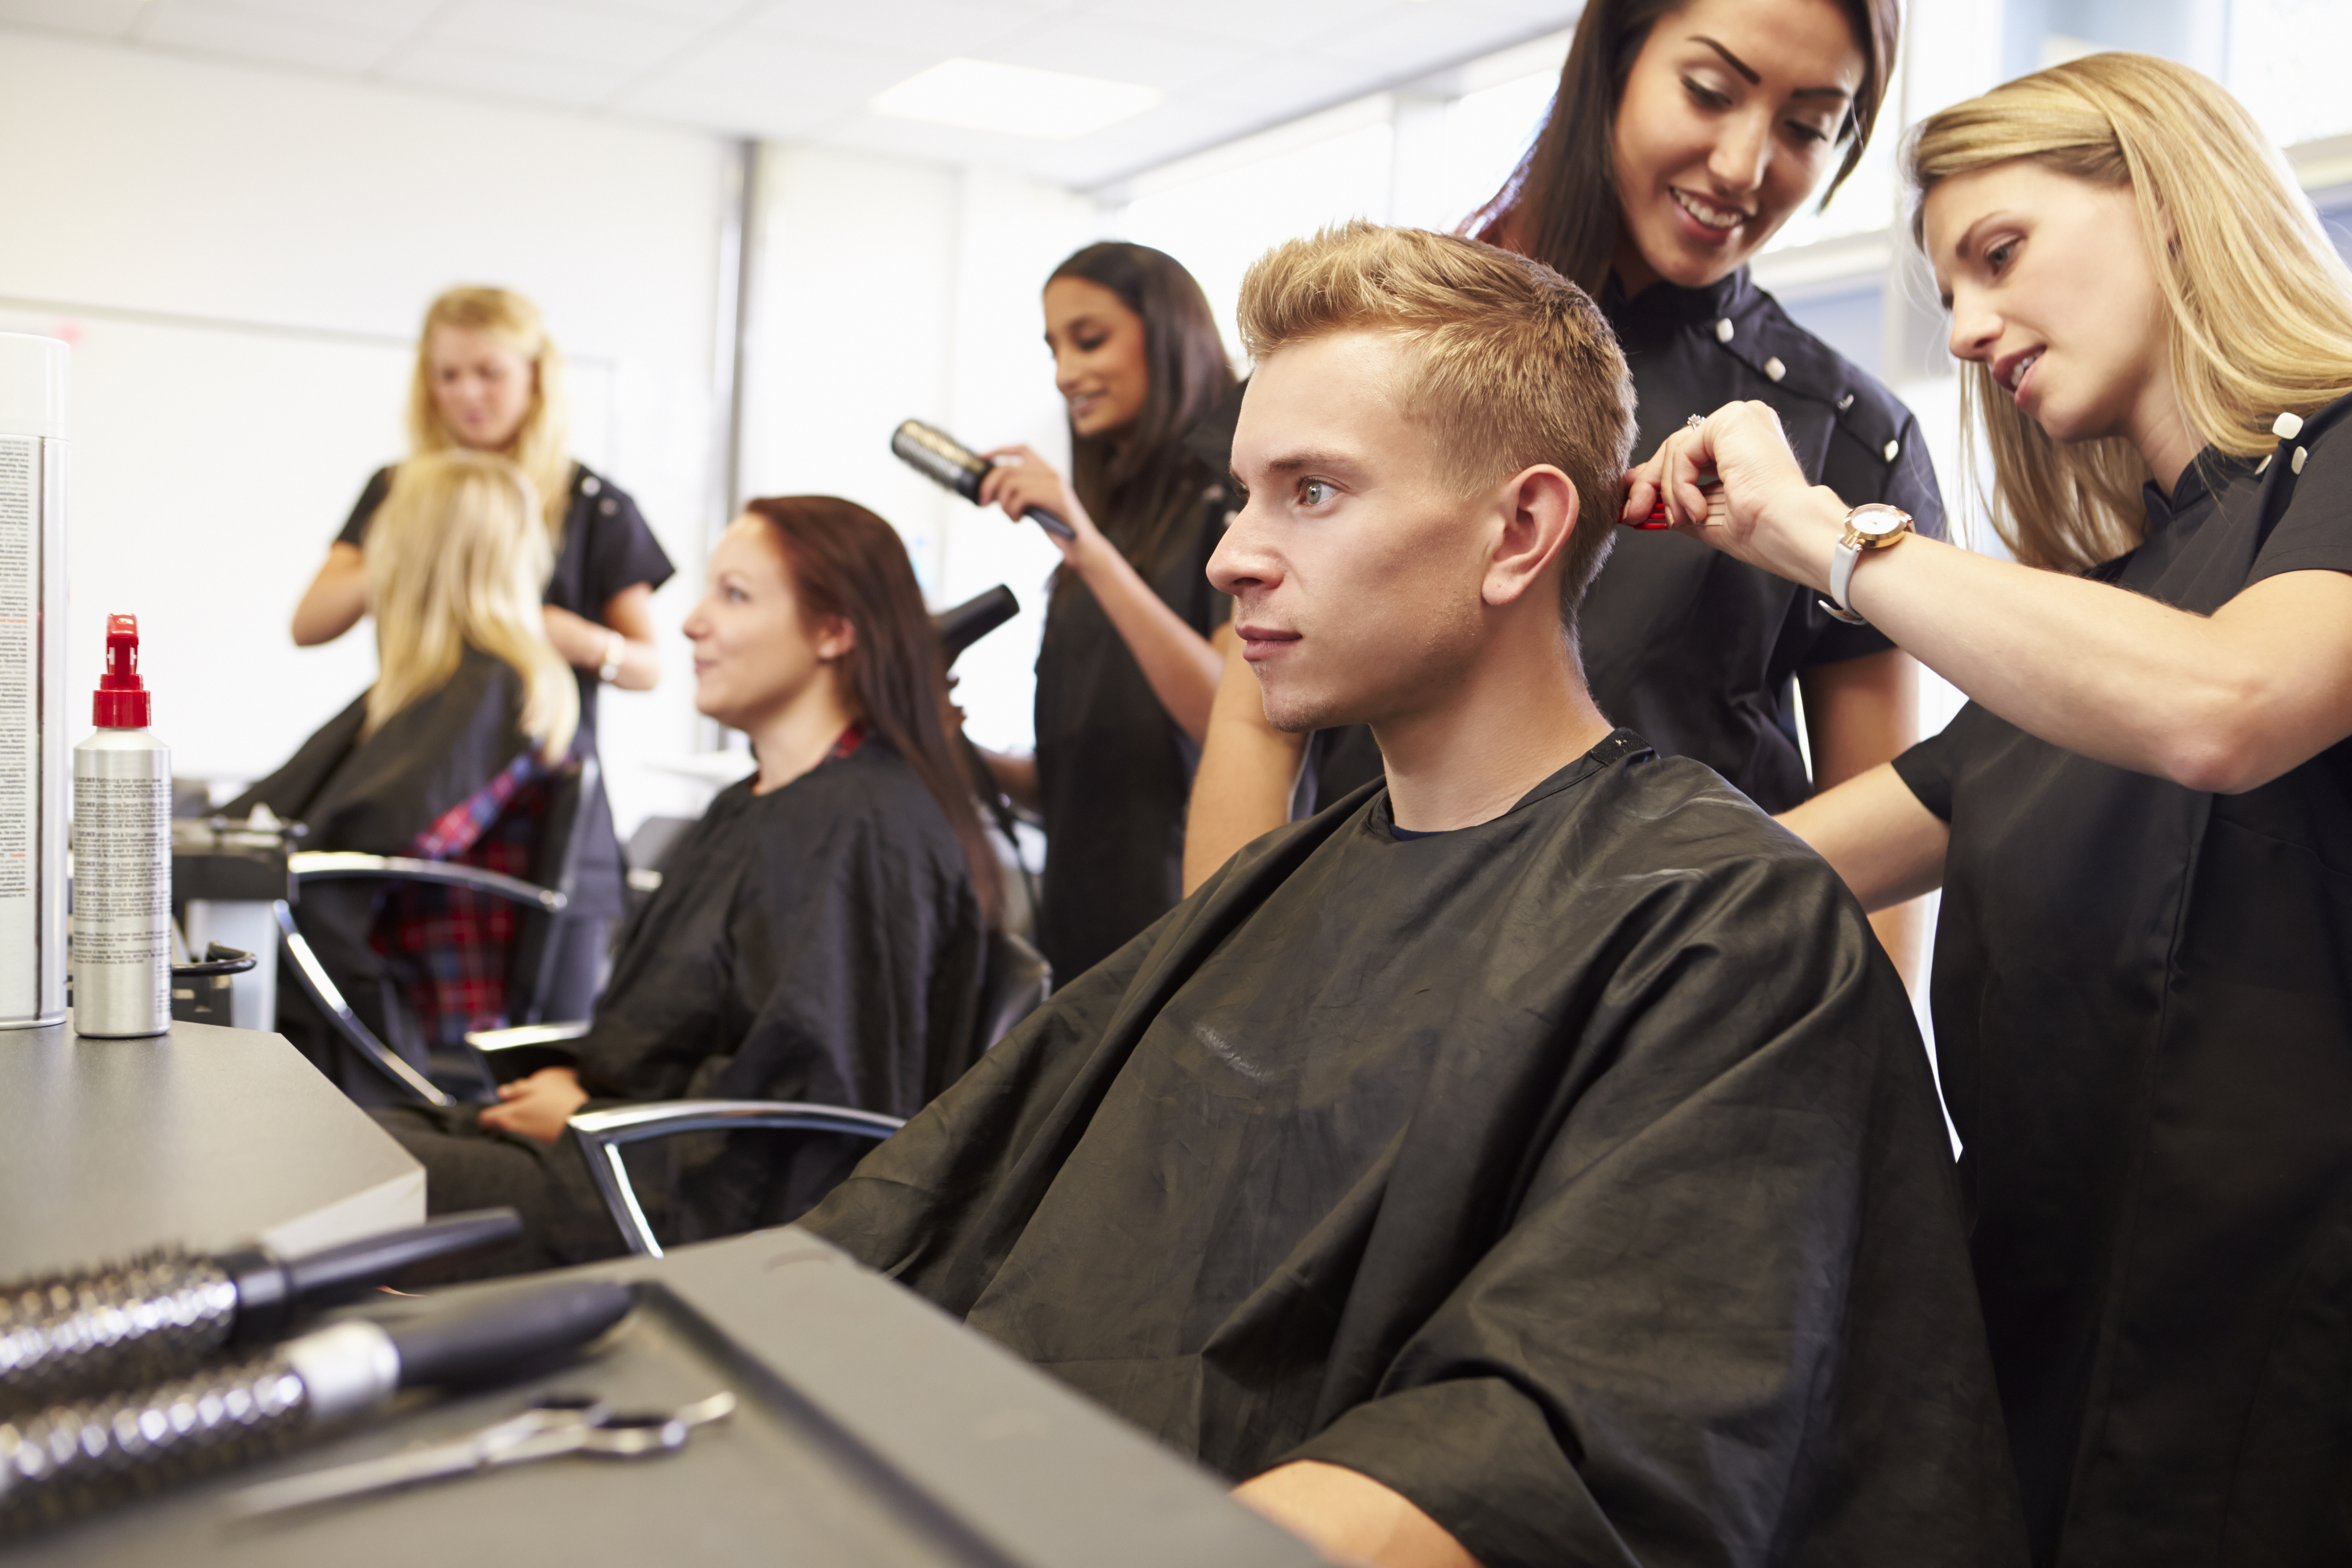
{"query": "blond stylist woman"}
{"type": "Point", "coordinates": [2142, 821]}
{"type": "Point", "coordinates": [489, 379]}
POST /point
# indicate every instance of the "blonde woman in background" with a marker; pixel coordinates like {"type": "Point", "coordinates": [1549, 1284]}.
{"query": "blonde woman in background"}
{"type": "Point", "coordinates": [489, 379]}
{"type": "Point", "coordinates": [447, 757]}
{"type": "Point", "coordinates": [2142, 823]}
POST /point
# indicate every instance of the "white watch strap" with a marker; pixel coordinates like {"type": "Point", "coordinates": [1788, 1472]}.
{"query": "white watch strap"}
{"type": "Point", "coordinates": [1842, 563]}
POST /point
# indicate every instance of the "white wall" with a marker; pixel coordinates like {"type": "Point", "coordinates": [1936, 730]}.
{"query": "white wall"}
{"type": "Point", "coordinates": [886, 290]}
{"type": "Point", "coordinates": [240, 257]}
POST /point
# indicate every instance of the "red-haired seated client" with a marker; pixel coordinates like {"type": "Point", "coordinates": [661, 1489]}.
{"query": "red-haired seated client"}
{"type": "Point", "coordinates": [819, 935]}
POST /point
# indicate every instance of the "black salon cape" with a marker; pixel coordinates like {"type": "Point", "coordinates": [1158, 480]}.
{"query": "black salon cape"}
{"type": "Point", "coordinates": [1578, 1175]}
{"type": "Point", "coordinates": [373, 797]}
{"type": "Point", "coordinates": [1696, 651]}
{"type": "Point", "coordinates": [2143, 1005]}
{"type": "Point", "coordinates": [607, 547]}
{"type": "Point", "coordinates": [819, 942]}
{"type": "Point", "coordinates": [1114, 770]}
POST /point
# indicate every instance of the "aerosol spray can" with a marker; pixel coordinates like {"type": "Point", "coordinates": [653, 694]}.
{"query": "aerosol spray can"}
{"type": "Point", "coordinates": [32, 682]}
{"type": "Point", "coordinates": [123, 856]}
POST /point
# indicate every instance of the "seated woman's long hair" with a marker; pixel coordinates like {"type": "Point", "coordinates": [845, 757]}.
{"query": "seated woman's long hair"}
{"type": "Point", "coordinates": [458, 558]}
{"type": "Point", "coordinates": [844, 561]}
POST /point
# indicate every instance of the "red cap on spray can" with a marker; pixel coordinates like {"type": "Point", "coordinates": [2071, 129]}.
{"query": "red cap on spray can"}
{"type": "Point", "coordinates": [122, 699]}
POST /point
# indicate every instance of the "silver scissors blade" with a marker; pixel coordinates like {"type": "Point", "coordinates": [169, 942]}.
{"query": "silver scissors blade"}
{"type": "Point", "coordinates": [435, 1461]}
{"type": "Point", "coordinates": [550, 1429]}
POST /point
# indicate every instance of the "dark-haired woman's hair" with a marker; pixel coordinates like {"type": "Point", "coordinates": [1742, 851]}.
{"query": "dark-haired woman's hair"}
{"type": "Point", "coordinates": [1559, 205]}
{"type": "Point", "coordinates": [844, 561]}
{"type": "Point", "coordinates": [1139, 488]}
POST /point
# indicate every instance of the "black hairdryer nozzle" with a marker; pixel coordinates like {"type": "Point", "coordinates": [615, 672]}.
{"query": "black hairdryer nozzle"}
{"type": "Point", "coordinates": [963, 625]}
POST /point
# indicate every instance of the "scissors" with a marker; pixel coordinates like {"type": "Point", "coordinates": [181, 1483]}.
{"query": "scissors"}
{"type": "Point", "coordinates": [552, 1427]}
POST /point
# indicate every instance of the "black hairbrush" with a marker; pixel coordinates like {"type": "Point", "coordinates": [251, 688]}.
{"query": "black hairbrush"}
{"type": "Point", "coordinates": [945, 460]}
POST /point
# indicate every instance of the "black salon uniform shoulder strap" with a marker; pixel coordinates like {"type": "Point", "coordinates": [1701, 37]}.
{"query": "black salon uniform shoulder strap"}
{"type": "Point", "coordinates": [1875, 452]}
{"type": "Point", "coordinates": [2321, 540]}
{"type": "Point", "coordinates": [613, 545]}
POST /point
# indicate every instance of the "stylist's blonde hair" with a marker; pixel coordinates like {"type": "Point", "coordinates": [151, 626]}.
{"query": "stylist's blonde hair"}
{"type": "Point", "coordinates": [2260, 305]}
{"type": "Point", "coordinates": [453, 561]}
{"type": "Point", "coordinates": [541, 447]}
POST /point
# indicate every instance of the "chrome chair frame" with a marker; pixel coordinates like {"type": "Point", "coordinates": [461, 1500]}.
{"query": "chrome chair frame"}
{"type": "Point", "coordinates": [324, 865]}
{"type": "Point", "coordinates": [1019, 979]}
{"type": "Point", "coordinates": [604, 1134]}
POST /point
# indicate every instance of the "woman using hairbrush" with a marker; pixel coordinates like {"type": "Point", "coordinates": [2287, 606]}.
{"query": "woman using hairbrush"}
{"type": "Point", "coordinates": [1125, 672]}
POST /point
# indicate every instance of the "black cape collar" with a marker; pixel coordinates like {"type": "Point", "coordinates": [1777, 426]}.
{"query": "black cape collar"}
{"type": "Point", "coordinates": [1616, 746]}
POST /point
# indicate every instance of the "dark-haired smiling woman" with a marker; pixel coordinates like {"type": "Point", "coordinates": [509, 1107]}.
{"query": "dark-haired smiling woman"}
{"type": "Point", "coordinates": [1682, 137]}
{"type": "Point", "coordinates": [1125, 673]}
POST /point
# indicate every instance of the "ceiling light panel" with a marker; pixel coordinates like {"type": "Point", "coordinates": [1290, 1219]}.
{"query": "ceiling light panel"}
{"type": "Point", "coordinates": [1017, 100]}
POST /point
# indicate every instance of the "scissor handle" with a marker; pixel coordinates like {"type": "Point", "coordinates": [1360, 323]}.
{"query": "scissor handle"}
{"type": "Point", "coordinates": [625, 1435]}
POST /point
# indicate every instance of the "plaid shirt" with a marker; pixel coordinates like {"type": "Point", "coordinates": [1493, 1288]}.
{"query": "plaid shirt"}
{"type": "Point", "coordinates": [450, 945]}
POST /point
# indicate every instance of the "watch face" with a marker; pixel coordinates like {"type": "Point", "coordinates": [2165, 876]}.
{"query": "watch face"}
{"type": "Point", "coordinates": [1877, 521]}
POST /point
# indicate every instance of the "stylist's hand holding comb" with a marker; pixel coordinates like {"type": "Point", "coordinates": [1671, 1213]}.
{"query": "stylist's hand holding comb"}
{"type": "Point", "coordinates": [1760, 510]}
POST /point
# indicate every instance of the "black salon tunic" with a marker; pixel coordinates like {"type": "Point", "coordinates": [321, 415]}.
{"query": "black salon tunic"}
{"type": "Point", "coordinates": [1577, 1174]}
{"type": "Point", "coordinates": [1114, 770]}
{"type": "Point", "coordinates": [607, 547]}
{"type": "Point", "coordinates": [2143, 1005]}
{"type": "Point", "coordinates": [1696, 651]}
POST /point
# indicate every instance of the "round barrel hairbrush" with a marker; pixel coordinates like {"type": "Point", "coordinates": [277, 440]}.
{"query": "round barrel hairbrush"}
{"type": "Point", "coordinates": [945, 460]}
{"type": "Point", "coordinates": [168, 1311]}
{"type": "Point", "coordinates": [71, 1461]}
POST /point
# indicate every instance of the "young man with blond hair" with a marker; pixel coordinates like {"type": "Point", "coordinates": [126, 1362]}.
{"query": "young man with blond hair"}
{"type": "Point", "coordinates": [1533, 1159]}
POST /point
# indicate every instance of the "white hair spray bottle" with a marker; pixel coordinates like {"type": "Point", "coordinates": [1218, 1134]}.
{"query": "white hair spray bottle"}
{"type": "Point", "coordinates": [123, 857]}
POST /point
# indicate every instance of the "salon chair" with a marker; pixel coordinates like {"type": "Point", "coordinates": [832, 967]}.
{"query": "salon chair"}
{"type": "Point", "coordinates": [1014, 979]}
{"type": "Point", "coordinates": [532, 957]}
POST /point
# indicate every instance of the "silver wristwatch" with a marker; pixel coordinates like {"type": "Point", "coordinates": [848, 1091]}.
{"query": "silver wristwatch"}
{"type": "Point", "coordinates": [1871, 526]}
{"type": "Point", "coordinates": [616, 648]}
